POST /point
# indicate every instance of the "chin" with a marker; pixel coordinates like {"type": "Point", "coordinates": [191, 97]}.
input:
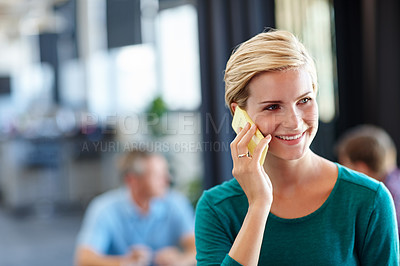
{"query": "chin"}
{"type": "Point", "coordinates": [161, 193]}
{"type": "Point", "coordinates": [289, 155]}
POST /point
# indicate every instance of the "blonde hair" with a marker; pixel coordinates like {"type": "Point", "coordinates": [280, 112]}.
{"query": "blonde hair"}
{"type": "Point", "coordinates": [275, 50]}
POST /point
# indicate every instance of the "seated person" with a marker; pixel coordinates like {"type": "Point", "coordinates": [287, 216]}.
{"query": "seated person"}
{"type": "Point", "coordinates": [370, 150]}
{"type": "Point", "coordinates": [143, 223]}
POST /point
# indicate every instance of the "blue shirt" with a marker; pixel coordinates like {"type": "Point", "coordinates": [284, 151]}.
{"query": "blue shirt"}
{"type": "Point", "coordinates": [113, 223]}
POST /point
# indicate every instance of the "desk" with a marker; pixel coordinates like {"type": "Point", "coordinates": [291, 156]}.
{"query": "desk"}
{"type": "Point", "coordinates": [41, 171]}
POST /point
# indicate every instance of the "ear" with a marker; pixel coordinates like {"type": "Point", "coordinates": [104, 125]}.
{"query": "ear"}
{"type": "Point", "coordinates": [233, 107]}
{"type": "Point", "coordinates": [129, 179]}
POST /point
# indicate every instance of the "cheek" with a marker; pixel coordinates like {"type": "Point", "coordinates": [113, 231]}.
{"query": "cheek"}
{"type": "Point", "coordinates": [267, 123]}
{"type": "Point", "coordinates": [159, 183]}
{"type": "Point", "coordinates": [311, 115]}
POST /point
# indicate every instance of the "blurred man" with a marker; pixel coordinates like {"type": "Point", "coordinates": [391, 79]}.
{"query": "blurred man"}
{"type": "Point", "coordinates": [141, 224]}
{"type": "Point", "coordinates": [370, 150]}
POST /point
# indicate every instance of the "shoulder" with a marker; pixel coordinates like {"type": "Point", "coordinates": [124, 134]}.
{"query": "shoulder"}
{"type": "Point", "coordinates": [361, 187]}
{"type": "Point", "coordinates": [175, 196]}
{"type": "Point", "coordinates": [357, 180]}
{"type": "Point", "coordinates": [103, 210]}
{"type": "Point", "coordinates": [175, 199]}
{"type": "Point", "coordinates": [223, 193]}
{"type": "Point", "coordinates": [370, 204]}
{"type": "Point", "coordinates": [107, 201]}
{"type": "Point", "coordinates": [223, 208]}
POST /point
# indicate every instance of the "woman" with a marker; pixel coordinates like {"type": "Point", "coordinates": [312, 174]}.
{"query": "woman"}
{"type": "Point", "coordinates": [298, 208]}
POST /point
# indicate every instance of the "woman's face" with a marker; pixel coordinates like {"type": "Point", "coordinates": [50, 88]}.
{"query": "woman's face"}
{"type": "Point", "coordinates": [284, 105]}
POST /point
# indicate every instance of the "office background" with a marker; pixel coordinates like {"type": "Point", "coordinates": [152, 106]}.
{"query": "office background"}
{"type": "Point", "coordinates": [82, 81]}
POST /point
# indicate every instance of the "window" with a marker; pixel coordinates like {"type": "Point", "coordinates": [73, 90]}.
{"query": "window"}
{"type": "Point", "coordinates": [312, 22]}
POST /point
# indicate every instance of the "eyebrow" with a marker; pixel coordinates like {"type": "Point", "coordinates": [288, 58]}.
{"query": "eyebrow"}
{"type": "Point", "coordinates": [301, 96]}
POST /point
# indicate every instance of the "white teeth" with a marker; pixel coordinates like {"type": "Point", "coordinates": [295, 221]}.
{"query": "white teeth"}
{"type": "Point", "coordinates": [291, 137]}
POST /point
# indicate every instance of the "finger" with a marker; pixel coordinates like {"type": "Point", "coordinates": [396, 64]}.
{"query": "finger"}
{"type": "Point", "coordinates": [239, 136]}
{"type": "Point", "coordinates": [244, 142]}
{"type": "Point", "coordinates": [242, 131]}
{"type": "Point", "coordinates": [263, 144]}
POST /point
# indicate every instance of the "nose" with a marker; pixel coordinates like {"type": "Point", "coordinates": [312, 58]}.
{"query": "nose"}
{"type": "Point", "coordinates": [292, 119]}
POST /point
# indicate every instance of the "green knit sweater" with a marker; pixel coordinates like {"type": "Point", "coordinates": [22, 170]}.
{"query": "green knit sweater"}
{"type": "Point", "coordinates": [355, 226]}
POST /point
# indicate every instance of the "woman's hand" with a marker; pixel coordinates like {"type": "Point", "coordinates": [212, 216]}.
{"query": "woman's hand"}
{"type": "Point", "coordinates": [258, 189]}
{"type": "Point", "coordinates": [247, 170]}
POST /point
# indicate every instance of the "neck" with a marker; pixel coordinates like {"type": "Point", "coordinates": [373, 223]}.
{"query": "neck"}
{"type": "Point", "coordinates": [291, 173]}
{"type": "Point", "coordinates": [141, 200]}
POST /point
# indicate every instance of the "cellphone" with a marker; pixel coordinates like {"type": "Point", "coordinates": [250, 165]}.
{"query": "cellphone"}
{"type": "Point", "coordinates": [240, 118]}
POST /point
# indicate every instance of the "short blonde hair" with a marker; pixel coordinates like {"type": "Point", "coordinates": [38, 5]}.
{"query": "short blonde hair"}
{"type": "Point", "coordinates": [275, 50]}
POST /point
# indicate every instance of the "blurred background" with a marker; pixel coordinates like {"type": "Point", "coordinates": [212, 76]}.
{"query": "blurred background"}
{"type": "Point", "coordinates": [82, 81]}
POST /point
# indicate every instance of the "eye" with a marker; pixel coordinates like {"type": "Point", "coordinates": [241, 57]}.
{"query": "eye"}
{"type": "Point", "coordinates": [305, 100]}
{"type": "Point", "coordinates": [272, 107]}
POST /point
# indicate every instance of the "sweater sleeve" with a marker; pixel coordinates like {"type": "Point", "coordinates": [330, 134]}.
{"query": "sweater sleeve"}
{"type": "Point", "coordinates": [381, 244]}
{"type": "Point", "coordinates": [212, 241]}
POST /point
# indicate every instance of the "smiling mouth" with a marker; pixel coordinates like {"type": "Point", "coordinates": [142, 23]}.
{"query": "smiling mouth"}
{"type": "Point", "coordinates": [290, 137]}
